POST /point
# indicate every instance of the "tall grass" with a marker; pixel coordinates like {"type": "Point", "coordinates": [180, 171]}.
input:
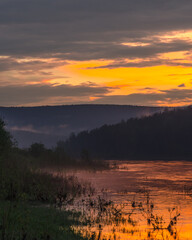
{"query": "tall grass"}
{"type": "Point", "coordinates": [19, 180]}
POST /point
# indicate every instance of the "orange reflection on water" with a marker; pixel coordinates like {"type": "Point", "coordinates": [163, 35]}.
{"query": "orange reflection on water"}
{"type": "Point", "coordinates": [169, 186]}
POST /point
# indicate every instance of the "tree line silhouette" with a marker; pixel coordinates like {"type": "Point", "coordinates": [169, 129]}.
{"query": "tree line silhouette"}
{"type": "Point", "coordinates": [163, 136]}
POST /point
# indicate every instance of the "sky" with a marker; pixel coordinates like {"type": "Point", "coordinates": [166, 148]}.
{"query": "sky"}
{"type": "Point", "coordinates": [135, 52]}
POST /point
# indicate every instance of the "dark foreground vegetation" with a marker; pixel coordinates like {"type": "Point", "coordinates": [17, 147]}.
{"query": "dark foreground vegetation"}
{"type": "Point", "coordinates": [58, 158]}
{"type": "Point", "coordinates": [163, 136]}
{"type": "Point", "coordinates": [31, 199]}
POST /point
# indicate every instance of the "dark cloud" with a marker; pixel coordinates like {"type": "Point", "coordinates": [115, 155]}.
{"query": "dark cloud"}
{"type": "Point", "coordinates": [172, 96]}
{"type": "Point", "coordinates": [39, 93]}
{"type": "Point", "coordinates": [181, 85]}
{"type": "Point", "coordinates": [90, 29]}
{"type": "Point", "coordinates": [143, 63]}
{"type": "Point", "coordinates": [10, 64]}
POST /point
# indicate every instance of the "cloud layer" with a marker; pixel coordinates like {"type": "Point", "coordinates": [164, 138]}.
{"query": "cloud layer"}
{"type": "Point", "coordinates": [40, 94]}
{"type": "Point", "coordinates": [38, 37]}
{"type": "Point", "coordinates": [173, 96]}
{"type": "Point", "coordinates": [90, 29]}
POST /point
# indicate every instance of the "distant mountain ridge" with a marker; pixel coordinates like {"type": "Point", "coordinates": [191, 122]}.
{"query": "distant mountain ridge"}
{"type": "Point", "coordinates": [49, 124]}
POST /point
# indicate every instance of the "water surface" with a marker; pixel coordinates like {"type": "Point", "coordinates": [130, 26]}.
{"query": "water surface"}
{"type": "Point", "coordinates": [167, 184]}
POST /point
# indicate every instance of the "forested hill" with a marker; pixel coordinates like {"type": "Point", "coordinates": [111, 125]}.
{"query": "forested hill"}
{"type": "Point", "coordinates": [166, 135]}
{"type": "Point", "coordinates": [49, 124]}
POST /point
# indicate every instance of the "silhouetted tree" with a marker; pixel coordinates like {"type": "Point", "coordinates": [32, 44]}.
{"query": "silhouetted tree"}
{"type": "Point", "coordinates": [5, 139]}
{"type": "Point", "coordinates": [37, 149]}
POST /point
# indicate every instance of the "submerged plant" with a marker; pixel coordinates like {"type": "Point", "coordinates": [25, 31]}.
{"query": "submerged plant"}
{"type": "Point", "coordinates": [100, 214]}
{"type": "Point", "coordinates": [156, 223]}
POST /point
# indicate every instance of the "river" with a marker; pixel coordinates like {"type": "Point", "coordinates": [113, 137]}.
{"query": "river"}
{"type": "Point", "coordinates": [154, 192]}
